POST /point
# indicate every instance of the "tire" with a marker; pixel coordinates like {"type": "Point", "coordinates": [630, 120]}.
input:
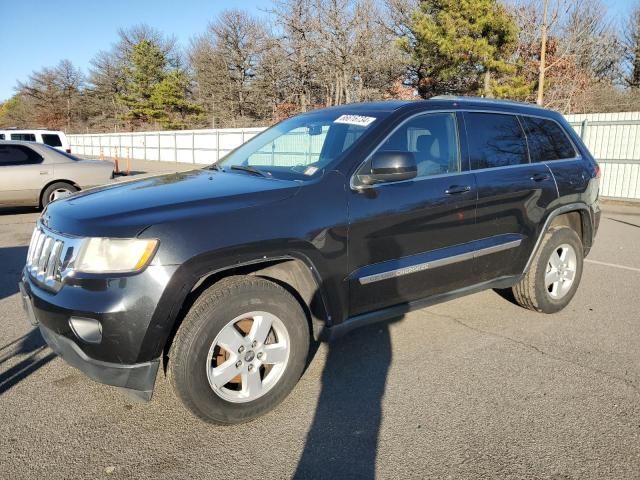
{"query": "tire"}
{"type": "Point", "coordinates": [57, 188]}
{"type": "Point", "coordinates": [197, 354]}
{"type": "Point", "coordinates": [534, 291]}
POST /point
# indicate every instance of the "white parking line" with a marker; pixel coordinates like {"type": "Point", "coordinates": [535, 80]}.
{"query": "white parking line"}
{"type": "Point", "coordinates": [614, 265]}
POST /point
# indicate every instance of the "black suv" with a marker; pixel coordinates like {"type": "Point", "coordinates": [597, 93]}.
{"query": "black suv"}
{"type": "Point", "coordinates": [327, 221]}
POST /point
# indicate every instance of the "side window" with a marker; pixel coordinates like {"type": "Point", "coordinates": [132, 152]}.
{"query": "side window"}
{"type": "Point", "coordinates": [433, 138]}
{"type": "Point", "coordinates": [18, 155]}
{"type": "Point", "coordinates": [25, 137]}
{"type": "Point", "coordinates": [495, 140]}
{"type": "Point", "coordinates": [1, 136]}
{"type": "Point", "coordinates": [547, 140]}
{"type": "Point", "coordinates": [51, 139]}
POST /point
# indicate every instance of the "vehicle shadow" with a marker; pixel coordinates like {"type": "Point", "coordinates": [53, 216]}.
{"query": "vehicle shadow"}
{"type": "Point", "coordinates": [32, 343]}
{"type": "Point", "coordinates": [342, 441]}
{"type": "Point", "coordinates": [12, 260]}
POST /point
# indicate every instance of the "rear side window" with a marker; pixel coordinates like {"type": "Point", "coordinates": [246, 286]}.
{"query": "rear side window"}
{"type": "Point", "coordinates": [1, 136]}
{"type": "Point", "coordinates": [51, 139]}
{"type": "Point", "coordinates": [495, 140]}
{"type": "Point", "coordinates": [25, 137]}
{"type": "Point", "coordinates": [18, 155]}
{"type": "Point", "coordinates": [547, 140]}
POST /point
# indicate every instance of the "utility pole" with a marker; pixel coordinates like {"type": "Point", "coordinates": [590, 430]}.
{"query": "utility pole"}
{"type": "Point", "coordinates": [543, 54]}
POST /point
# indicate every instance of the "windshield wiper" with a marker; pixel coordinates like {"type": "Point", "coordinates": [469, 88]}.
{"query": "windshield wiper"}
{"type": "Point", "coordinates": [250, 169]}
{"type": "Point", "coordinates": [215, 166]}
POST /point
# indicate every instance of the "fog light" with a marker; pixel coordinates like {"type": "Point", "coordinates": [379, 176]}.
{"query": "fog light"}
{"type": "Point", "coordinates": [86, 329]}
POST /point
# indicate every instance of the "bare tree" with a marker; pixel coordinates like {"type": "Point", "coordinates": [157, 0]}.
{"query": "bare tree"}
{"type": "Point", "coordinates": [225, 61]}
{"type": "Point", "coordinates": [631, 42]}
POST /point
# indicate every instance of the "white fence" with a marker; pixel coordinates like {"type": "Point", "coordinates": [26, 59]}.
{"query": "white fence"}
{"type": "Point", "coordinates": [613, 138]}
{"type": "Point", "coordinates": [187, 146]}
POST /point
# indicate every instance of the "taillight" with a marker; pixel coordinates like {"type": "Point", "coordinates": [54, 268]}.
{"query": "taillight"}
{"type": "Point", "coordinates": [68, 150]}
{"type": "Point", "coordinates": [597, 171]}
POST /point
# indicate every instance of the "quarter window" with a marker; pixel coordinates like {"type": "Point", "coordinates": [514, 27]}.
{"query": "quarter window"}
{"type": "Point", "coordinates": [25, 137]}
{"type": "Point", "coordinates": [432, 138]}
{"type": "Point", "coordinates": [51, 139]}
{"type": "Point", "coordinates": [18, 155]}
{"type": "Point", "coordinates": [547, 140]}
{"type": "Point", "coordinates": [495, 140]}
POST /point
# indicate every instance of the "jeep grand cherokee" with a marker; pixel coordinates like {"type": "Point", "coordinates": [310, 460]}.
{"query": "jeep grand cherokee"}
{"type": "Point", "coordinates": [329, 220]}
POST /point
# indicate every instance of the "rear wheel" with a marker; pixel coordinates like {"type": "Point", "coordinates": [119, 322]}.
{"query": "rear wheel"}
{"type": "Point", "coordinates": [239, 351]}
{"type": "Point", "coordinates": [55, 191]}
{"type": "Point", "coordinates": [555, 272]}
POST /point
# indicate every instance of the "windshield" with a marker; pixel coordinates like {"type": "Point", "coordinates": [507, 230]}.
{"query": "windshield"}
{"type": "Point", "coordinates": [299, 147]}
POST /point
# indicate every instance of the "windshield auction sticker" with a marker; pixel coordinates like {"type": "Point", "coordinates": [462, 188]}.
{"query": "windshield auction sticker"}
{"type": "Point", "coordinates": [355, 120]}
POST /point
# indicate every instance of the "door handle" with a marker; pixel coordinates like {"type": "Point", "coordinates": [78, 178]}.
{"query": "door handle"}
{"type": "Point", "coordinates": [540, 177]}
{"type": "Point", "coordinates": [457, 189]}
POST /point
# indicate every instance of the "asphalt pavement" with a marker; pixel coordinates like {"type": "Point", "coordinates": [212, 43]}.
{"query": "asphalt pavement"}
{"type": "Point", "coordinates": [474, 388]}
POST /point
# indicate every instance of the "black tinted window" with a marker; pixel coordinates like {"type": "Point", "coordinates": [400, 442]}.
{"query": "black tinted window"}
{"type": "Point", "coordinates": [25, 137]}
{"type": "Point", "coordinates": [547, 140]}
{"type": "Point", "coordinates": [432, 138]}
{"type": "Point", "coordinates": [1, 136]}
{"type": "Point", "coordinates": [51, 139]}
{"type": "Point", "coordinates": [495, 140]}
{"type": "Point", "coordinates": [18, 155]}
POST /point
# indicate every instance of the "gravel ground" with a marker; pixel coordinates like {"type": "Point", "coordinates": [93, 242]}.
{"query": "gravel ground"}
{"type": "Point", "coordinates": [474, 388]}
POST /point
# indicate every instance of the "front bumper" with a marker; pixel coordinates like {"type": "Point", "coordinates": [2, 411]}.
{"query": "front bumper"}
{"type": "Point", "coordinates": [139, 379]}
{"type": "Point", "coordinates": [126, 355]}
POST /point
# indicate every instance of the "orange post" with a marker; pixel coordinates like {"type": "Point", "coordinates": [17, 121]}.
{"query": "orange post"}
{"type": "Point", "coordinates": [128, 164]}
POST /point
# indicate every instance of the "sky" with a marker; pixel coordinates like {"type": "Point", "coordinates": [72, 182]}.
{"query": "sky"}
{"type": "Point", "coordinates": [42, 32]}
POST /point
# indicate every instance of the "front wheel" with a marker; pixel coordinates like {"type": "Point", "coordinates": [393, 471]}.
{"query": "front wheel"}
{"type": "Point", "coordinates": [555, 272]}
{"type": "Point", "coordinates": [239, 351]}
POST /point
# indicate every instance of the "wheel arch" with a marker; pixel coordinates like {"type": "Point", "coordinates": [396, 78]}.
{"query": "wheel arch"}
{"type": "Point", "coordinates": [576, 216]}
{"type": "Point", "coordinates": [296, 274]}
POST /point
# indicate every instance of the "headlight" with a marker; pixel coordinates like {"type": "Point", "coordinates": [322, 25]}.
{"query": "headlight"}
{"type": "Point", "coordinates": [114, 255]}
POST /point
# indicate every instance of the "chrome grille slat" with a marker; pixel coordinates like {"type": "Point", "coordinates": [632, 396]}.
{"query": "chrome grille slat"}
{"type": "Point", "coordinates": [54, 259]}
{"type": "Point", "coordinates": [37, 250]}
{"type": "Point", "coordinates": [45, 257]}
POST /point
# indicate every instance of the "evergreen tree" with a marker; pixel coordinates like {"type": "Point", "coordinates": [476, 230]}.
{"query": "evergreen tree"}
{"type": "Point", "coordinates": [146, 69]}
{"type": "Point", "coordinates": [461, 47]}
{"type": "Point", "coordinates": [170, 104]}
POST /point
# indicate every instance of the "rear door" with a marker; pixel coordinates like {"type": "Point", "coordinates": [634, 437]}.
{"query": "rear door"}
{"type": "Point", "coordinates": [550, 144]}
{"type": "Point", "coordinates": [513, 193]}
{"type": "Point", "coordinates": [23, 173]}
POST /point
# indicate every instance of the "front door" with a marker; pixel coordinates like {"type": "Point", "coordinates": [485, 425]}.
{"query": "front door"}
{"type": "Point", "coordinates": [414, 238]}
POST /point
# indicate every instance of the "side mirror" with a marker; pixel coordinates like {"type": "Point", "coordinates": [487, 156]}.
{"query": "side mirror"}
{"type": "Point", "coordinates": [391, 166]}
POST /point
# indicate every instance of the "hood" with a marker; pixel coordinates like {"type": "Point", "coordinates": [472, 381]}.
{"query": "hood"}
{"type": "Point", "coordinates": [125, 209]}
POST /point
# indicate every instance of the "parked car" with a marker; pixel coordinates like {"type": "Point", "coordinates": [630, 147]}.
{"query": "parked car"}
{"type": "Point", "coordinates": [53, 138]}
{"type": "Point", "coordinates": [35, 174]}
{"type": "Point", "coordinates": [328, 221]}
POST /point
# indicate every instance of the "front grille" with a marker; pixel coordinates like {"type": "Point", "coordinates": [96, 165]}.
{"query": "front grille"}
{"type": "Point", "coordinates": [47, 252]}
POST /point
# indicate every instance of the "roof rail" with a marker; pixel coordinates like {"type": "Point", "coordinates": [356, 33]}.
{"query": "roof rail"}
{"type": "Point", "coordinates": [483, 99]}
